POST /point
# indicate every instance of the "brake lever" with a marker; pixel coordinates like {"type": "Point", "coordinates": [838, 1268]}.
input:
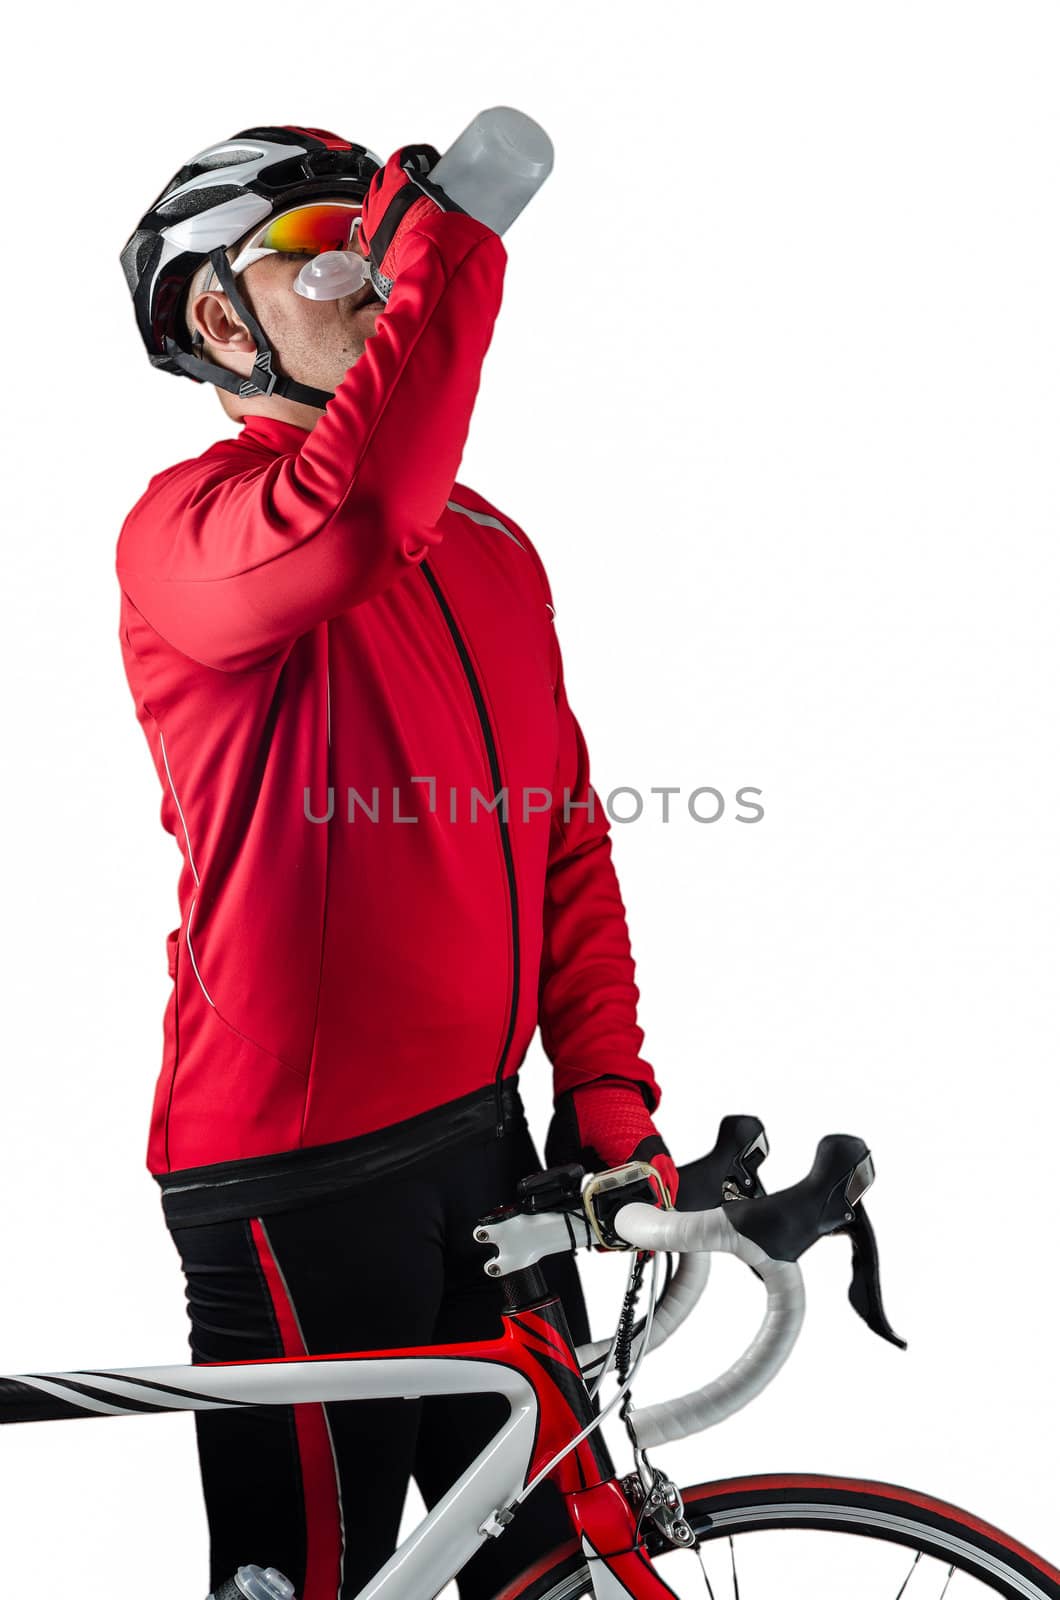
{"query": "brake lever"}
{"type": "Point", "coordinates": [865, 1294]}
{"type": "Point", "coordinates": [729, 1171]}
{"type": "Point", "coordinates": [829, 1200]}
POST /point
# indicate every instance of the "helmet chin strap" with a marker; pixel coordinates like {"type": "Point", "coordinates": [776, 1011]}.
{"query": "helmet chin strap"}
{"type": "Point", "coordinates": [266, 379]}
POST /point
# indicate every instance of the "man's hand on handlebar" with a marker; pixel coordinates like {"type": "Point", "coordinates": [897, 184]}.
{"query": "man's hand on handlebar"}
{"type": "Point", "coordinates": [605, 1123]}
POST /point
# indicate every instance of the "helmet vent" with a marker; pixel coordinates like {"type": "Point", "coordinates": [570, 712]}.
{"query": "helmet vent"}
{"type": "Point", "coordinates": [136, 256]}
{"type": "Point", "coordinates": [231, 155]}
{"type": "Point", "coordinates": [193, 201]}
{"type": "Point", "coordinates": [216, 159]}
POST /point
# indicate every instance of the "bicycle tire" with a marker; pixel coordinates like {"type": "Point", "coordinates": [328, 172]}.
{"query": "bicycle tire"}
{"type": "Point", "coordinates": [851, 1506]}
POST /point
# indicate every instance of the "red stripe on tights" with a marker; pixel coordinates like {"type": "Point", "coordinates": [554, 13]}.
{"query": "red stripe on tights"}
{"type": "Point", "coordinates": [323, 1527]}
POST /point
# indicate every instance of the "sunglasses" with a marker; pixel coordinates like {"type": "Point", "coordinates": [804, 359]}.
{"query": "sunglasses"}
{"type": "Point", "coordinates": [306, 230]}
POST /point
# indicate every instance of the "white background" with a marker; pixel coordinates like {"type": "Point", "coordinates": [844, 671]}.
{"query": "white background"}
{"type": "Point", "coordinates": [775, 391]}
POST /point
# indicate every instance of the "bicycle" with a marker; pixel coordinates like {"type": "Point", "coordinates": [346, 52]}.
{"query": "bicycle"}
{"type": "Point", "coordinates": [788, 1534]}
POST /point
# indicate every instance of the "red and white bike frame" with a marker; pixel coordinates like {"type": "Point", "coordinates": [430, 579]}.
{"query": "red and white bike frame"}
{"type": "Point", "coordinates": [533, 1364]}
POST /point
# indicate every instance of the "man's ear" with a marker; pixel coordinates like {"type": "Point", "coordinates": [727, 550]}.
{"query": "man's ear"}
{"type": "Point", "coordinates": [212, 316]}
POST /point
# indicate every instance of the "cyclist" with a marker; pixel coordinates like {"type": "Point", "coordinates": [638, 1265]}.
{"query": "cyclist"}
{"type": "Point", "coordinates": [394, 867]}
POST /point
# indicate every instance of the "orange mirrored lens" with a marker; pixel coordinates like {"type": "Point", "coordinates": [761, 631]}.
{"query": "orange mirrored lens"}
{"type": "Point", "coordinates": [311, 229]}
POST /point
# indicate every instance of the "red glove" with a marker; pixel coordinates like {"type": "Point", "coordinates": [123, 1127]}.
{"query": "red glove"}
{"type": "Point", "coordinates": [400, 194]}
{"type": "Point", "coordinates": [604, 1123]}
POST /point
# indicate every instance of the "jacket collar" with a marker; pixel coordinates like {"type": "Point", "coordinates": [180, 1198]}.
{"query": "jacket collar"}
{"type": "Point", "coordinates": [283, 438]}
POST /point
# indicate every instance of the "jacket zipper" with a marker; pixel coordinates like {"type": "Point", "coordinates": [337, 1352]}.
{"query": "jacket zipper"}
{"type": "Point", "coordinates": [502, 822]}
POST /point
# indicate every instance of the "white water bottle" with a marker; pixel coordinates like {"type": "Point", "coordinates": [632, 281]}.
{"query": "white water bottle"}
{"type": "Point", "coordinates": [496, 166]}
{"type": "Point", "coordinates": [492, 170]}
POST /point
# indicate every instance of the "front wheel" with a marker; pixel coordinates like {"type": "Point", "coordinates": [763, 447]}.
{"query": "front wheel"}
{"type": "Point", "coordinates": [790, 1536]}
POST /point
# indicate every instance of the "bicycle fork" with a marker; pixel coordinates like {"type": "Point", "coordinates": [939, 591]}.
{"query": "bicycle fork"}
{"type": "Point", "coordinates": [606, 1528]}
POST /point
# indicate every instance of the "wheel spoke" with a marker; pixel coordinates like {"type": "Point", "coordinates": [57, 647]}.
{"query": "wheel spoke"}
{"type": "Point", "coordinates": [703, 1568]}
{"type": "Point", "coordinates": [848, 1569]}
{"type": "Point", "coordinates": [735, 1579]}
{"type": "Point", "coordinates": [909, 1574]}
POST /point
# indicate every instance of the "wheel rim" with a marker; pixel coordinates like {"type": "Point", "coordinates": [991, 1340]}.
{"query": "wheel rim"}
{"type": "Point", "coordinates": [806, 1549]}
{"type": "Point", "coordinates": [898, 1560]}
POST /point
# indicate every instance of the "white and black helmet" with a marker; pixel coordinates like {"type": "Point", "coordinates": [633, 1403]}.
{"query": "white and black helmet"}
{"type": "Point", "coordinates": [211, 203]}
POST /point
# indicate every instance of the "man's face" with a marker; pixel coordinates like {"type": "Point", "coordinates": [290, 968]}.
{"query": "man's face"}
{"type": "Point", "coordinates": [315, 341]}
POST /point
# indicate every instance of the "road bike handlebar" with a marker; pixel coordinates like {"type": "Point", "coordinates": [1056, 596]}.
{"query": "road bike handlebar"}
{"type": "Point", "coordinates": [730, 1172]}
{"type": "Point", "coordinates": [675, 1304]}
{"type": "Point", "coordinates": [691, 1232]}
{"type": "Point", "coordinates": [767, 1232]}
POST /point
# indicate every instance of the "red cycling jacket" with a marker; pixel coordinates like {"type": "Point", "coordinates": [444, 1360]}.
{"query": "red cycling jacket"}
{"type": "Point", "coordinates": [333, 648]}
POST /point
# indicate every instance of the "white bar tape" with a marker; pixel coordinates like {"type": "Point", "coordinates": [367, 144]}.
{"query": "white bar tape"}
{"type": "Point", "coordinates": [687, 1284]}
{"type": "Point", "coordinates": [649, 1228]}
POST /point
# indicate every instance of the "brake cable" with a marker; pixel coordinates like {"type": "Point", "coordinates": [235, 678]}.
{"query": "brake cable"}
{"type": "Point", "coordinates": [603, 1360]}
{"type": "Point", "coordinates": [660, 1498]}
{"type": "Point", "coordinates": [621, 1393]}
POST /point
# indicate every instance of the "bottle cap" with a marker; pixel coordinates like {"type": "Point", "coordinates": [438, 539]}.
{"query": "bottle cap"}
{"type": "Point", "coordinates": [267, 1585]}
{"type": "Point", "coordinates": [331, 275]}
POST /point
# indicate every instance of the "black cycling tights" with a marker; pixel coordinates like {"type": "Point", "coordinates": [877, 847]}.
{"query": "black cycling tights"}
{"type": "Point", "coordinates": [318, 1491]}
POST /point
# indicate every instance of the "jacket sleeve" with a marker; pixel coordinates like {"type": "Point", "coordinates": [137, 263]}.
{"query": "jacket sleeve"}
{"type": "Point", "coordinates": [229, 567]}
{"type": "Point", "coordinates": [587, 997]}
